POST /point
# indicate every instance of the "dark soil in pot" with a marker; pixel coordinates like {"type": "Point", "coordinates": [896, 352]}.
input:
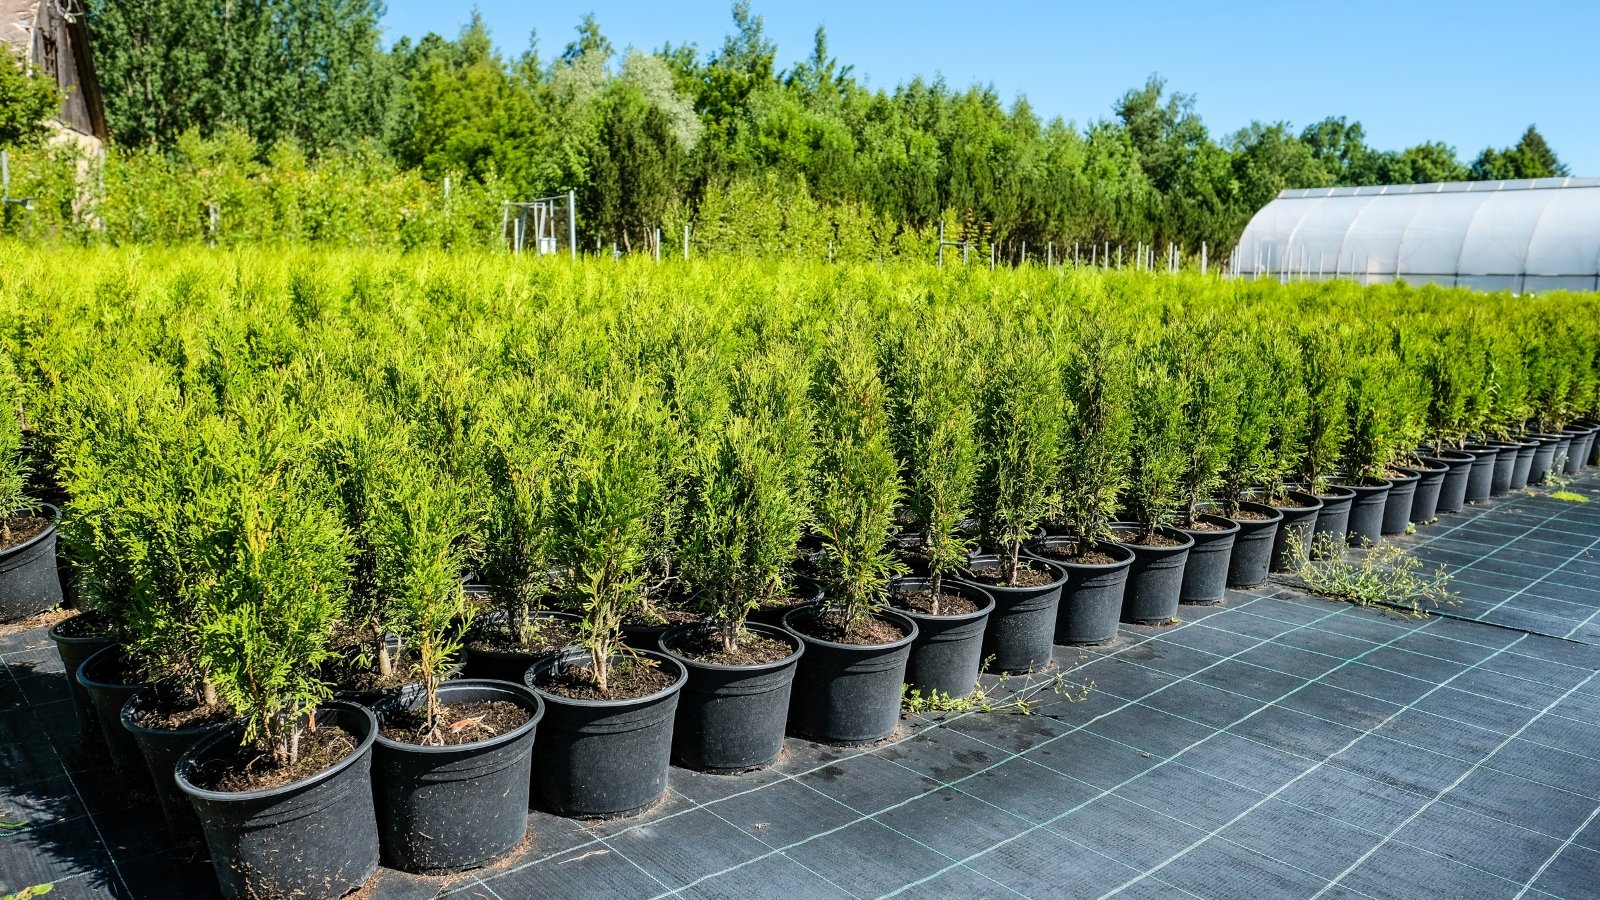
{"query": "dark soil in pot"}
{"type": "Point", "coordinates": [463, 802]}
{"type": "Point", "coordinates": [1251, 560]}
{"type": "Point", "coordinates": [361, 682]}
{"type": "Point", "coordinates": [600, 757]}
{"type": "Point", "coordinates": [1402, 495]}
{"type": "Point", "coordinates": [1480, 480]}
{"type": "Point", "coordinates": [1021, 631]}
{"type": "Point", "coordinates": [164, 727]}
{"type": "Point", "coordinates": [1458, 474]}
{"type": "Point", "coordinates": [77, 639]}
{"type": "Point", "coordinates": [1543, 456]}
{"type": "Point", "coordinates": [289, 833]}
{"type": "Point", "coordinates": [1097, 579]}
{"type": "Point", "coordinates": [734, 709]}
{"type": "Point", "coordinates": [645, 633]}
{"type": "Point", "coordinates": [1523, 467]}
{"type": "Point", "coordinates": [1155, 580]}
{"type": "Point", "coordinates": [1505, 465]}
{"type": "Point", "coordinates": [1430, 481]}
{"type": "Point", "coordinates": [1299, 511]}
{"type": "Point", "coordinates": [1205, 574]}
{"type": "Point", "coordinates": [848, 693]}
{"type": "Point", "coordinates": [30, 583]}
{"type": "Point", "coordinates": [948, 652]}
{"type": "Point", "coordinates": [1334, 517]}
{"type": "Point", "coordinates": [802, 592]}
{"type": "Point", "coordinates": [493, 652]}
{"type": "Point", "coordinates": [1367, 511]}
{"type": "Point", "coordinates": [110, 678]}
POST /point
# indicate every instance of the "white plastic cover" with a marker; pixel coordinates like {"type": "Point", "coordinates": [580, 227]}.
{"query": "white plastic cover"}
{"type": "Point", "coordinates": [1527, 236]}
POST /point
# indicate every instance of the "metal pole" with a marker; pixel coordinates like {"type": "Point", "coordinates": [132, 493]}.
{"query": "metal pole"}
{"type": "Point", "coordinates": [572, 222]}
{"type": "Point", "coordinates": [505, 217]}
{"type": "Point", "coordinates": [966, 251]}
{"type": "Point", "coordinates": [658, 245]}
{"type": "Point", "coordinates": [991, 257]}
{"type": "Point", "coordinates": [1202, 257]}
{"type": "Point", "coordinates": [686, 242]}
{"type": "Point", "coordinates": [1024, 252]}
{"type": "Point", "coordinates": [1119, 257]}
{"type": "Point", "coordinates": [1105, 255]}
{"type": "Point", "coordinates": [1138, 256]}
{"type": "Point", "coordinates": [941, 244]}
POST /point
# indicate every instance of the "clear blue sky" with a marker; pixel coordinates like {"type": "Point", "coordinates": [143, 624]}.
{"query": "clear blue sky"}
{"type": "Point", "coordinates": [1469, 73]}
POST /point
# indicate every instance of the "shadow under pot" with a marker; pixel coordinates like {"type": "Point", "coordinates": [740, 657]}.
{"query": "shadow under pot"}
{"type": "Point", "coordinates": [1251, 561]}
{"type": "Point", "coordinates": [1155, 579]}
{"type": "Point", "coordinates": [1457, 476]}
{"type": "Point", "coordinates": [1366, 511]}
{"type": "Point", "coordinates": [1402, 496]}
{"type": "Point", "coordinates": [453, 807]}
{"type": "Point", "coordinates": [77, 639]}
{"type": "Point", "coordinates": [1523, 466]}
{"type": "Point", "coordinates": [948, 651]}
{"type": "Point", "coordinates": [1544, 455]}
{"type": "Point", "coordinates": [1333, 519]}
{"type": "Point", "coordinates": [162, 746]}
{"type": "Point", "coordinates": [847, 693]}
{"type": "Point", "coordinates": [603, 757]}
{"type": "Point", "coordinates": [314, 837]}
{"type": "Point", "coordinates": [1291, 546]}
{"type": "Point", "coordinates": [110, 678]}
{"type": "Point", "coordinates": [1091, 600]}
{"type": "Point", "coordinates": [1020, 636]}
{"type": "Point", "coordinates": [803, 592]}
{"type": "Point", "coordinates": [1205, 573]}
{"type": "Point", "coordinates": [1431, 472]}
{"type": "Point", "coordinates": [30, 582]}
{"type": "Point", "coordinates": [1480, 480]}
{"type": "Point", "coordinates": [1505, 466]}
{"type": "Point", "coordinates": [731, 715]}
{"type": "Point", "coordinates": [491, 652]}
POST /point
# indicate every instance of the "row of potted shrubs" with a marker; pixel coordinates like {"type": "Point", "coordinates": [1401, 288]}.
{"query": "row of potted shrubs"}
{"type": "Point", "coordinates": [375, 548]}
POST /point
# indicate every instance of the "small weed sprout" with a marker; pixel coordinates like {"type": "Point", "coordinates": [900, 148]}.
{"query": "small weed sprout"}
{"type": "Point", "coordinates": [1384, 575]}
{"type": "Point", "coordinates": [1024, 702]}
{"type": "Point", "coordinates": [1568, 497]}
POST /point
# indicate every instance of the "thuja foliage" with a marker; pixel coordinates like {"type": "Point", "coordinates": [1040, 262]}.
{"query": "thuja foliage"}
{"type": "Point", "coordinates": [280, 466]}
{"type": "Point", "coordinates": [13, 469]}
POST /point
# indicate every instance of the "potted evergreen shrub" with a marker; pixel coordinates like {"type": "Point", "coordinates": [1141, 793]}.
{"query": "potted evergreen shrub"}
{"type": "Point", "coordinates": [606, 740]}
{"type": "Point", "coordinates": [1248, 465]}
{"type": "Point", "coordinates": [745, 508]}
{"type": "Point", "coordinates": [934, 426]}
{"type": "Point", "coordinates": [284, 798]}
{"type": "Point", "coordinates": [1371, 446]}
{"type": "Point", "coordinates": [1020, 427]}
{"type": "Point", "coordinates": [1287, 411]}
{"type": "Point", "coordinates": [1160, 552]}
{"type": "Point", "coordinates": [1206, 431]}
{"type": "Point", "coordinates": [29, 581]}
{"type": "Point", "coordinates": [1322, 368]}
{"type": "Point", "coordinates": [847, 686]}
{"type": "Point", "coordinates": [1097, 378]}
{"type": "Point", "coordinates": [1448, 404]}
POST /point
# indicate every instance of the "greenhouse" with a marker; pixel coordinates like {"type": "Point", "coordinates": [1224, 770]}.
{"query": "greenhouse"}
{"type": "Point", "coordinates": [1521, 236]}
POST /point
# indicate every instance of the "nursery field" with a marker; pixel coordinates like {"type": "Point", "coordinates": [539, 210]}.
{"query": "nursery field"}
{"type": "Point", "coordinates": [760, 579]}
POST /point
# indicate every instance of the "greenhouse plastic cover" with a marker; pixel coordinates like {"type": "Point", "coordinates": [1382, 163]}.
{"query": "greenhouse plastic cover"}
{"type": "Point", "coordinates": [1525, 236]}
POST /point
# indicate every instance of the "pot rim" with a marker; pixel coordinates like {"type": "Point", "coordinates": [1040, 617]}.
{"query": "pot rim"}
{"type": "Point", "coordinates": [60, 638]}
{"type": "Point", "coordinates": [1314, 506]}
{"type": "Point", "coordinates": [94, 659]}
{"type": "Point", "coordinates": [1451, 454]}
{"type": "Point", "coordinates": [1431, 465]}
{"type": "Point", "coordinates": [1275, 513]}
{"type": "Point", "coordinates": [55, 521]}
{"type": "Point", "coordinates": [678, 631]}
{"type": "Point", "coordinates": [522, 692]}
{"type": "Point", "coordinates": [911, 633]}
{"type": "Point", "coordinates": [1407, 474]}
{"type": "Point", "coordinates": [133, 726]}
{"type": "Point", "coordinates": [953, 581]}
{"type": "Point", "coordinates": [1061, 577]}
{"type": "Point", "coordinates": [567, 653]}
{"type": "Point", "coordinates": [1338, 490]}
{"type": "Point", "coordinates": [1232, 526]}
{"type": "Point", "coordinates": [1188, 540]}
{"type": "Point", "coordinates": [190, 756]}
{"type": "Point", "coordinates": [1111, 547]}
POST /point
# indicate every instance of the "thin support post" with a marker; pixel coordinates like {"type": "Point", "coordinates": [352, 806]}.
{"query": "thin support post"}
{"type": "Point", "coordinates": [1202, 257]}
{"type": "Point", "coordinates": [686, 242]}
{"type": "Point", "coordinates": [572, 222]}
{"type": "Point", "coordinates": [658, 245]}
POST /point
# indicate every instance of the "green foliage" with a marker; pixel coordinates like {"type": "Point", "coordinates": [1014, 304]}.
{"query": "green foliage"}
{"type": "Point", "coordinates": [1023, 418]}
{"type": "Point", "coordinates": [1159, 458]}
{"type": "Point", "coordinates": [1209, 419]}
{"type": "Point", "coordinates": [37, 890]}
{"type": "Point", "coordinates": [1384, 575]}
{"type": "Point", "coordinates": [1249, 464]}
{"type": "Point", "coordinates": [1097, 376]}
{"type": "Point", "coordinates": [27, 101]}
{"type": "Point", "coordinates": [1380, 430]}
{"type": "Point", "coordinates": [856, 479]}
{"type": "Point", "coordinates": [14, 470]}
{"type": "Point", "coordinates": [1327, 424]}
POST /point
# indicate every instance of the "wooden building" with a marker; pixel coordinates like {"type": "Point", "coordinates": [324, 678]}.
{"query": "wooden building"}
{"type": "Point", "coordinates": [54, 36]}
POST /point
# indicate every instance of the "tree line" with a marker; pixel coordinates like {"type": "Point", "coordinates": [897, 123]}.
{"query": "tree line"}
{"type": "Point", "coordinates": [725, 138]}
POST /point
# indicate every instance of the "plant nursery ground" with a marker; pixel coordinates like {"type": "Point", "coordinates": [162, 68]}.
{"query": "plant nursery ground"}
{"type": "Point", "coordinates": [1275, 745]}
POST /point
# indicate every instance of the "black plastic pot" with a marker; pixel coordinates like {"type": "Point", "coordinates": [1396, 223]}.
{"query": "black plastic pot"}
{"type": "Point", "coordinates": [1402, 496]}
{"type": "Point", "coordinates": [1334, 517]}
{"type": "Point", "coordinates": [161, 749]}
{"type": "Point", "coordinates": [1091, 600]}
{"type": "Point", "coordinates": [847, 693]}
{"type": "Point", "coordinates": [1523, 466]}
{"type": "Point", "coordinates": [73, 651]}
{"type": "Point", "coordinates": [1020, 636]}
{"type": "Point", "coordinates": [1425, 503]}
{"type": "Point", "coordinates": [1505, 465]}
{"type": "Point", "coordinates": [508, 665]}
{"type": "Point", "coordinates": [604, 758]}
{"type": "Point", "coordinates": [1458, 474]}
{"type": "Point", "coordinates": [948, 651]}
{"type": "Point", "coordinates": [1366, 512]}
{"type": "Point", "coordinates": [446, 809]}
{"type": "Point", "coordinates": [316, 837]}
{"type": "Point", "coordinates": [731, 719]}
{"type": "Point", "coordinates": [1155, 579]}
{"type": "Point", "coordinates": [30, 583]}
{"type": "Point", "coordinates": [1205, 574]}
{"type": "Point", "coordinates": [1298, 522]}
{"type": "Point", "coordinates": [1543, 456]}
{"type": "Point", "coordinates": [806, 592]}
{"type": "Point", "coordinates": [102, 676]}
{"type": "Point", "coordinates": [1251, 560]}
{"type": "Point", "coordinates": [1563, 453]}
{"type": "Point", "coordinates": [1578, 451]}
{"type": "Point", "coordinates": [1480, 480]}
